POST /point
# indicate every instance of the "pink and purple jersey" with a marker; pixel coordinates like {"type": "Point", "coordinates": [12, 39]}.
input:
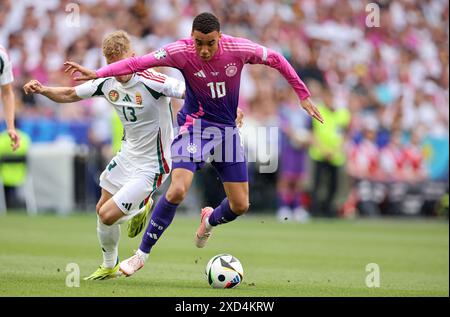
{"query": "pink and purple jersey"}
{"type": "Point", "coordinates": [212, 88]}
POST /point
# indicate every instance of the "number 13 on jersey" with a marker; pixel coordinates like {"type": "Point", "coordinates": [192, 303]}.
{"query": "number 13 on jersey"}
{"type": "Point", "coordinates": [218, 90]}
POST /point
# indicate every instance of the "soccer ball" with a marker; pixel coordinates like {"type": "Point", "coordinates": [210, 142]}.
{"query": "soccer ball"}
{"type": "Point", "coordinates": [224, 271]}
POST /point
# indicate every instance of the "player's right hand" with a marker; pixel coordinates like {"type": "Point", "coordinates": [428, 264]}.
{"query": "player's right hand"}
{"type": "Point", "coordinates": [86, 73]}
{"type": "Point", "coordinates": [15, 139]}
{"type": "Point", "coordinates": [33, 87]}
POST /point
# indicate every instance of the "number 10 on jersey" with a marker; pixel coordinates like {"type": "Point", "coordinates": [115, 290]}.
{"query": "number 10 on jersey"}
{"type": "Point", "coordinates": [217, 89]}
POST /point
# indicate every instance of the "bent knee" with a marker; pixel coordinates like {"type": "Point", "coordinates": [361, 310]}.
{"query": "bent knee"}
{"type": "Point", "coordinates": [176, 194]}
{"type": "Point", "coordinates": [106, 217]}
{"type": "Point", "coordinates": [239, 208]}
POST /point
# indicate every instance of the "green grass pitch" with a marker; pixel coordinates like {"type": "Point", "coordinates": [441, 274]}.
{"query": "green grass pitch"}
{"type": "Point", "coordinates": [321, 258]}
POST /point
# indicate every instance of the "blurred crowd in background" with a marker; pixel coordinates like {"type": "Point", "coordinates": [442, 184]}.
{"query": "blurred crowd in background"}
{"type": "Point", "coordinates": [383, 88]}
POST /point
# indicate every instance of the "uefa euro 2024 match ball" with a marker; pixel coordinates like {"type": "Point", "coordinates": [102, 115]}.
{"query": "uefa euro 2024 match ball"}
{"type": "Point", "coordinates": [224, 271]}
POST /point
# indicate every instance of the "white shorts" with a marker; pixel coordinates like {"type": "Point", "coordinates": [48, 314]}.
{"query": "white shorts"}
{"type": "Point", "coordinates": [130, 186]}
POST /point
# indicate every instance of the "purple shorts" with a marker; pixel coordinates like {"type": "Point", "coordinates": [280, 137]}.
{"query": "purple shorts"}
{"type": "Point", "coordinates": [199, 142]}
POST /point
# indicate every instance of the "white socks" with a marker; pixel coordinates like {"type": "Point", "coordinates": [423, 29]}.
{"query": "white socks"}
{"type": "Point", "coordinates": [108, 237]}
{"type": "Point", "coordinates": [142, 255]}
{"type": "Point", "coordinates": [207, 224]}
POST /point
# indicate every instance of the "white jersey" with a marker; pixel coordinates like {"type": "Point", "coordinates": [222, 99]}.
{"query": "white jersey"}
{"type": "Point", "coordinates": [144, 109]}
{"type": "Point", "coordinates": [6, 75]}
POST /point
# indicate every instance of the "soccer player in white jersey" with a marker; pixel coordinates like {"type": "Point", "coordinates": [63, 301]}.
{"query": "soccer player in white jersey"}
{"type": "Point", "coordinates": [7, 93]}
{"type": "Point", "coordinates": [144, 162]}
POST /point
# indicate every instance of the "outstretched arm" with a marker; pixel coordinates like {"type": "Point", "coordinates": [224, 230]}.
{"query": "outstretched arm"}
{"type": "Point", "coordinates": [57, 94]}
{"type": "Point", "coordinates": [169, 56]}
{"type": "Point", "coordinates": [277, 61]}
{"type": "Point", "coordinates": [263, 55]}
{"type": "Point", "coordinates": [123, 67]}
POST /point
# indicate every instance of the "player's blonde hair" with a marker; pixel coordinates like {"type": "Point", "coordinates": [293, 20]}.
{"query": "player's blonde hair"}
{"type": "Point", "coordinates": [116, 44]}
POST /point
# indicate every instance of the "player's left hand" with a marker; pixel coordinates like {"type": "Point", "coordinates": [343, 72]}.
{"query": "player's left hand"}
{"type": "Point", "coordinates": [239, 118]}
{"type": "Point", "coordinates": [311, 109]}
{"type": "Point", "coordinates": [15, 139]}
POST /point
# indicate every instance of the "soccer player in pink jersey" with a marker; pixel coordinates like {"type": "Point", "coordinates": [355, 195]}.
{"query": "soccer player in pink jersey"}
{"type": "Point", "coordinates": [211, 63]}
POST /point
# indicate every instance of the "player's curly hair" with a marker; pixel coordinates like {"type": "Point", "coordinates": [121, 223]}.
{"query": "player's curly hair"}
{"type": "Point", "coordinates": [116, 44]}
{"type": "Point", "coordinates": [206, 23]}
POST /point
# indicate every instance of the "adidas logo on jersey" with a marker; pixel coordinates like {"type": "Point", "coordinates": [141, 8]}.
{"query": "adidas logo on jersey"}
{"type": "Point", "coordinates": [127, 206]}
{"type": "Point", "coordinates": [127, 98]}
{"type": "Point", "coordinates": [200, 74]}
